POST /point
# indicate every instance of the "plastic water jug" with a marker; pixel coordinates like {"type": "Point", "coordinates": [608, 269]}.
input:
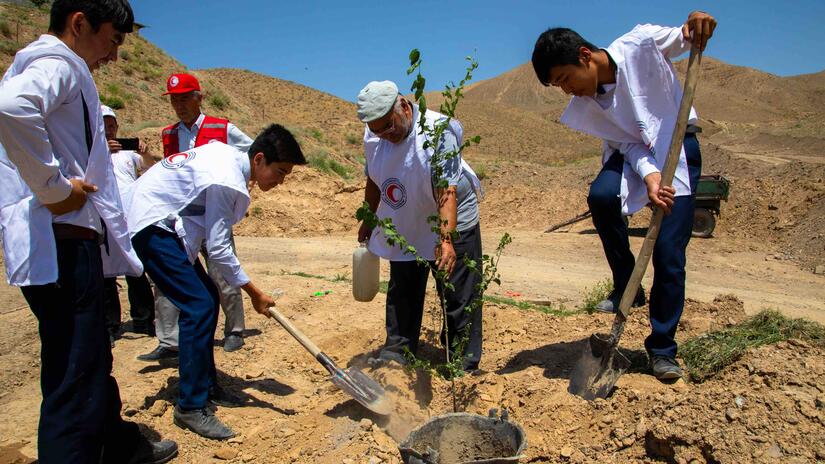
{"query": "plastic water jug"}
{"type": "Point", "coordinates": [365, 268]}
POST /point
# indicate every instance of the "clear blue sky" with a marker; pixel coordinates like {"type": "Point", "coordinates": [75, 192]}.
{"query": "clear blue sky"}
{"type": "Point", "coordinates": [338, 46]}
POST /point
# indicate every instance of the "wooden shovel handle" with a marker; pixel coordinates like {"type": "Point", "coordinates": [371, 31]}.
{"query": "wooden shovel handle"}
{"type": "Point", "coordinates": [302, 339]}
{"type": "Point", "coordinates": [669, 171]}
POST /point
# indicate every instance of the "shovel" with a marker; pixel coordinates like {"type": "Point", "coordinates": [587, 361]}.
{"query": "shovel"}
{"type": "Point", "coordinates": [352, 381]}
{"type": "Point", "coordinates": [601, 363]}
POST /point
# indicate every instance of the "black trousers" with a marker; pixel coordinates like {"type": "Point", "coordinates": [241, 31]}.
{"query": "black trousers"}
{"type": "Point", "coordinates": [141, 302]}
{"type": "Point", "coordinates": [80, 414]}
{"type": "Point", "coordinates": [405, 301]}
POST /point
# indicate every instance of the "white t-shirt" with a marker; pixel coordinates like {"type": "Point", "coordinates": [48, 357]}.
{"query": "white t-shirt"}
{"type": "Point", "coordinates": [126, 164]}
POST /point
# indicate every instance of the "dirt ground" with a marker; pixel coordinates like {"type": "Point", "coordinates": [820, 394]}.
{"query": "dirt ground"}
{"type": "Point", "coordinates": [768, 407]}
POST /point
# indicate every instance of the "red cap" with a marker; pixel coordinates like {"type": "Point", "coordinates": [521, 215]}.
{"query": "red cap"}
{"type": "Point", "coordinates": [181, 83]}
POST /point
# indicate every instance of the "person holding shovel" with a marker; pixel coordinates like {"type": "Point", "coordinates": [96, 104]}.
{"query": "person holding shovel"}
{"type": "Point", "coordinates": [400, 186]}
{"type": "Point", "coordinates": [187, 202]}
{"type": "Point", "coordinates": [628, 95]}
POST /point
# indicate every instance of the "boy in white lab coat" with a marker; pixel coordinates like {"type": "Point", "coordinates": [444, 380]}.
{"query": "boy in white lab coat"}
{"type": "Point", "coordinates": [628, 95]}
{"type": "Point", "coordinates": [58, 202]}
{"type": "Point", "coordinates": [186, 201]}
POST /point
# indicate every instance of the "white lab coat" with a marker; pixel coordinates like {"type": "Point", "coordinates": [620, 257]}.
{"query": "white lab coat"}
{"type": "Point", "coordinates": [44, 145]}
{"type": "Point", "coordinates": [639, 120]}
{"type": "Point", "coordinates": [172, 194]}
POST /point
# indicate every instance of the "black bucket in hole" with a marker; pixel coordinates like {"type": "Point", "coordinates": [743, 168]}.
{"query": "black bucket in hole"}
{"type": "Point", "coordinates": [462, 438]}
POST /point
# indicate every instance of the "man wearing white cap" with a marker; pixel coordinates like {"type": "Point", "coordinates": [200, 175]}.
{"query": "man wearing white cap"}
{"type": "Point", "coordinates": [400, 186]}
{"type": "Point", "coordinates": [195, 129]}
{"type": "Point", "coordinates": [126, 165]}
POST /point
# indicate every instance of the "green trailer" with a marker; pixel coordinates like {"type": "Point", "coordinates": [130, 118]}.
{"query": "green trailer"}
{"type": "Point", "coordinates": [709, 195]}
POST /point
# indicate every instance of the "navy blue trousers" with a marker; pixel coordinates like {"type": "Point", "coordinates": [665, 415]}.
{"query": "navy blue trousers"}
{"type": "Point", "coordinates": [190, 289]}
{"type": "Point", "coordinates": [80, 414]}
{"type": "Point", "coordinates": [667, 296]}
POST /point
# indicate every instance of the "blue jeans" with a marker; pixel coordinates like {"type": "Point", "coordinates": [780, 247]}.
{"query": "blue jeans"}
{"type": "Point", "coordinates": [189, 288]}
{"type": "Point", "coordinates": [667, 296]}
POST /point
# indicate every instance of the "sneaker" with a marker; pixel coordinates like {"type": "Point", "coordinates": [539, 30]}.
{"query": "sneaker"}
{"type": "Point", "coordinates": [611, 304]}
{"type": "Point", "coordinates": [203, 422]}
{"type": "Point", "coordinates": [665, 368]}
{"type": "Point", "coordinates": [220, 397]}
{"type": "Point", "coordinates": [161, 352]}
{"type": "Point", "coordinates": [232, 342]}
{"type": "Point", "coordinates": [154, 452]}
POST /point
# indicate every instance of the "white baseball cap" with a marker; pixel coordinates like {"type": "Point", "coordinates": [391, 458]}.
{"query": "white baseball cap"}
{"type": "Point", "coordinates": [107, 111]}
{"type": "Point", "coordinates": [376, 100]}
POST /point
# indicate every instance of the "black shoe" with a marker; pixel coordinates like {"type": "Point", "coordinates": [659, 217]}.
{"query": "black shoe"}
{"type": "Point", "coordinates": [611, 304]}
{"type": "Point", "coordinates": [154, 452]}
{"type": "Point", "coordinates": [220, 397]}
{"type": "Point", "coordinates": [203, 422]}
{"type": "Point", "coordinates": [161, 352]}
{"type": "Point", "coordinates": [665, 368]}
{"type": "Point", "coordinates": [145, 328]}
{"type": "Point", "coordinates": [232, 342]}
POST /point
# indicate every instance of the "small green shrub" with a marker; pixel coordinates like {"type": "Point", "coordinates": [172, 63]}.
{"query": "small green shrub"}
{"type": "Point", "coordinates": [256, 211]}
{"type": "Point", "coordinates": [353, 139]}
{"type": "Point", "coordinates": [599, 292]}
{"type": "Point", "coordinates": [5, 29]}
{"type": "Point", "coordinates": [316, 134]}
{"type": "Point", "coordinates": [218, 101]}
{"type": "Point", "coordinates": [481, 172]}
{"type": "Point", "coordinates": [124, 55]}
{"type": "Point", "coordinates": [321, 161]}
{"type": "Point", "coordinates": [115, 103]}
{"type": "Point", "coordinates": [708, 354]}
{"type": "Point", "coordinates": [8, 47]}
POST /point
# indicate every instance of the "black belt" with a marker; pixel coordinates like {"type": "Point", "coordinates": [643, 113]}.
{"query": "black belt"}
{"type": "Point", "coordinates": [73, 232]}
{"type": "Point", "coordinates": [693, 129]}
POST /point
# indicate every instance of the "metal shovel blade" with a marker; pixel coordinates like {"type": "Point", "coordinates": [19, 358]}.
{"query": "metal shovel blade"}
{"type": "Point", "coordinates": [359, 386]}
{"type": "Point", "coordinates": [600, 366]}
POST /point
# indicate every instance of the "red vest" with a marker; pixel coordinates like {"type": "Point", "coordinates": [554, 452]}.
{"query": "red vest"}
{"type": "Point", "coordinates": [211, 129]}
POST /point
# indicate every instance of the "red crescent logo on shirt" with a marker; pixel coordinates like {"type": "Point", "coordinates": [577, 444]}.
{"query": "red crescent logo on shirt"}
{"type": "Point", "coordinates": [393, 193]}
{"type": "Point", "coordinates": [177, 160]}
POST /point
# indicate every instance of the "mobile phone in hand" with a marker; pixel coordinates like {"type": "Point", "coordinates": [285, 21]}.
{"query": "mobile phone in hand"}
{"type": "Point", "coordinates": [129, 144]}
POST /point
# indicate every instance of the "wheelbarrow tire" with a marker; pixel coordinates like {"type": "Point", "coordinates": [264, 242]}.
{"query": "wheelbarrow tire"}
{"type": "Point", "coordinates": [703, 223]}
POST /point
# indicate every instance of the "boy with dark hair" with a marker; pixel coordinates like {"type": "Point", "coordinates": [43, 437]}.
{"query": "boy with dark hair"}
{"type": "Point", "coordinates": [54, 158]}
{"type": "Point", "coordinates": [188, 201]}
{"type": "Point", "coordinates": [628, 95]}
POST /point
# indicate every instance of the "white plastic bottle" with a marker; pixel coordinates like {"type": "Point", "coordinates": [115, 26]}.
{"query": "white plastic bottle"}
{"type": "Point", "coordinates": [365, 269]}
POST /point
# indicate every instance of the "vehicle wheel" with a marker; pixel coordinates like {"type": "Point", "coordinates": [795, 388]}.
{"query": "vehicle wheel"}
{"type": "Point", "coordinates": [703, 223]}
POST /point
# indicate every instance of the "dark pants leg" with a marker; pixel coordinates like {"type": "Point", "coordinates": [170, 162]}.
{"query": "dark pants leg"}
{"type": "Point", "coordinates": [80, 413]}
{"type": "Point", "coordinates": [460, 314]}
{"type": "Point", "coordinates": [667, 296]}
{"type": "Point", "coordinates": [111, 305]}
{"type": "Point", "coordinates": [189, 288]}
{"type": "Point", "coordinates": [405, 305]}
{"type": "Point", "coordinates": [141, 300]}
{"type": "Point", "coordinates": [606, 208]}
